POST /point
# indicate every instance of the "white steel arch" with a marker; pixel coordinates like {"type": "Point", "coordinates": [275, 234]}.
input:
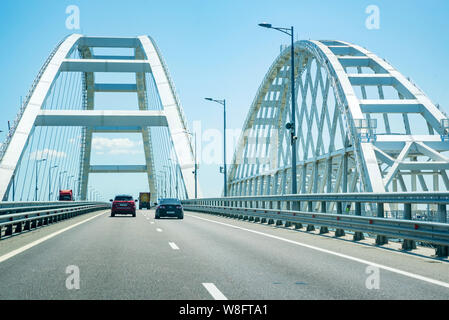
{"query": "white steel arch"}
{"type": "Point", "coordinates": [146, 59]}
{"type": "Point", "coordinates": [351, 105]}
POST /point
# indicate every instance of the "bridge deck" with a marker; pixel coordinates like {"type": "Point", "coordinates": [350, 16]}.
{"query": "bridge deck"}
{"type": "Point", "coordinates": [143, 258]}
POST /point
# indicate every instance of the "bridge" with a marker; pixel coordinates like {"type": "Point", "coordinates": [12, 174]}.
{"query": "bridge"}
{"type": "Point", "coordinates": [371, 161]}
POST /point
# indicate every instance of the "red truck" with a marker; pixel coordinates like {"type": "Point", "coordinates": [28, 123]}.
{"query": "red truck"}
{"type": "Point", "coordinates": [65, 195]}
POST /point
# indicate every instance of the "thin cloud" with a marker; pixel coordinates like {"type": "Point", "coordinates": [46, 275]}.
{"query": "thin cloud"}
{"type": "Point", "coordinates": [118, 146]}
{"type": "Point", "coordinates": [47, 153]}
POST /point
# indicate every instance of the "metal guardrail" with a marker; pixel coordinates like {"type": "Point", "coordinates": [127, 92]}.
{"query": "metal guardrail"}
{"type": "Point", "coordinates": [287, 210]}
{"type": "Point", "coordinates": [15, 223]}
{"type": "Point", "coordinates": [369, 197]}
{"type": "Point", "coordinates": [16, 207]}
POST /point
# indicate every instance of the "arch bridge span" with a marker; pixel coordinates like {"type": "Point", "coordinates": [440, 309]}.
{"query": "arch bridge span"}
{"type": "Point", "coordinates": [361, 126]}
{"type": "Point", "coordinates": [51, 142]}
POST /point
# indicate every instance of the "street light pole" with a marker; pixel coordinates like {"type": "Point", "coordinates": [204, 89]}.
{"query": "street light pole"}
{"type": "Point", "coordinates": [159, 184]}
{"type": "Point", "coordinates": [14, 173]}
{"type": "Point", "coordinates": [169, 171]}
{"type": "Point", "coordinates": [60, 184]}
{"type": "Point", "coordinates": [292, 125]}
{"type": "Point", "coordinates": [68, 181]}
{"type": "Point", "coordinates": [49, 182]}
{"type": "Point", "coordinates": [37, 174]}
{"type": "Point", "coordinates": [74, 187]}
{"type": "Point", "coordinates": [223, 103]}
{"type": "Point", "coordinates": [165, 184]}
{"type": "Point", "coordinates": [196, 171]}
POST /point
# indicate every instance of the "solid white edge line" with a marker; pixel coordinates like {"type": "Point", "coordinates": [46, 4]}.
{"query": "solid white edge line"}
{"type": "Point", "coordinates": [173, 246]}
{"type": "Point", "coordinates": [35, 243]}
{"type": "Point", "coordinates": [214, 292]}
{"type": "Point", "coordinates": [341, 255]}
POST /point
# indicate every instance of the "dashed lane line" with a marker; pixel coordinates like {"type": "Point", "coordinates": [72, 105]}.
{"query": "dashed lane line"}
{"type": "Point", "coordinates": [173, 246]}
{"type": "Point", "coordinates": [214, 292]}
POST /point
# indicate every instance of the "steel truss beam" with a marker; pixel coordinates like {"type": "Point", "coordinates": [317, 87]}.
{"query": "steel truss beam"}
{"type": "Point", "coordinates": [100, 118]}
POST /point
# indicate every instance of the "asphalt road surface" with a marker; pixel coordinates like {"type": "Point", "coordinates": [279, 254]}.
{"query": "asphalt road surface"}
{"type": "Point", "coordinates": [205, 257]}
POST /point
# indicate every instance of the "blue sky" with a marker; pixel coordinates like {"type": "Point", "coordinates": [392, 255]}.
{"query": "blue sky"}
{"type": "Point", "coordinates": [215, 48]}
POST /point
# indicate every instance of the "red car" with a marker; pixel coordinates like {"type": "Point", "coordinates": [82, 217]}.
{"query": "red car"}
{"type": "Point", "coordinates": [123, 204]}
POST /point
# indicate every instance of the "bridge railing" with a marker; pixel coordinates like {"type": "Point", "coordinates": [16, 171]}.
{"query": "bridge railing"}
{"type": "Point", "coordinates": [21, 206]}
{"type": "Point", "coordinates": [301, 209]}
{"type": "Point", "coordinates": [18, 219]}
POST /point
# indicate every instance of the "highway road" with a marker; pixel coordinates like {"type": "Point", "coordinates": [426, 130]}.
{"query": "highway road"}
{"type": "Point", "coordinates": [206, 257]}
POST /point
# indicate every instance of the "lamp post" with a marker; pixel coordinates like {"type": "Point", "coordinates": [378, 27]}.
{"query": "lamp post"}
{"type": "Point", "coordinates": [74, 186]}
{"type": "Point", "coordinates": [49, 182]}
{"type": "Point", "coordinates": [68, 181]}
{"type": "Point", "coordinates": [290, 126]}
{"type": "Point", "coordinates": [14, 173]}
{"type": "Point", "coordinates": [195, 172]}
{"type": "Point", "coordinates": [90, 194]}
{"type": "Point", "coordinates": [169, 171]}
{"type": "Point", "coordinates": [60, 184]}
{"type": "Point", "coordinates": [174, 166]}
{"type": "Point", "coordinates": [159, 184]}
{"type": "Point", "coordinates": [223, 103]}
{"type": "Point", "coordinates": [165, 184]}
{"type": "Point", "coordinates": [37, 175]}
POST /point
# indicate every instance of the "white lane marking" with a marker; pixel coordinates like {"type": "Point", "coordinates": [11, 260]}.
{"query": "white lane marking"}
{"type": "Point", "coordinates": [152, 222]}
{"type": "Point", "coordinates": [173, 246]}
{"type": "Point", "coordinates": [214, 292]}
{"type": "Point", "coordinates": [341, 255]}
{"type": "Point", "coordinates": [35, 243]}
{"type": "Point", "coordinates": [159, 230]}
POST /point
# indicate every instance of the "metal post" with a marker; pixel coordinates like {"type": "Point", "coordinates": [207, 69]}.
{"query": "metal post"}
{"type": "Point", "coordinates": [293, 122]}
{"type": "Point", "coordinates": [37, 174]}
{"type": "Point", "coordinates": [339, 232]}
{"type": "Point", "coordinates": [165, 184]}
{"type": "Point", "coordinates": [176, 173]}
{"type": "Point", "coordinates": [442, 251]}
{"type": "Point", "coordinates": [196, 171]}
{"type": "Point", "coordinates": [49, 182]}
{"type": "Point", "coordinates": [223, 103]}
{"type": "Point", "coordinates": [380, 240]}
{"type": "Point", "coordinates": [358, 212]}
{"type": "Point", "coordinates": [35, 190]}
{"type": "Point", "coordinates": [310, 227]}
{"type": "Point", "coordinates": [13, 186]}
{"type": "Point", "coordinates": [408, 244]}
{"type": "Point", "coordinates": [323, 229]}
{"type": "Point", "coordinates": [224, 149]}
{"type": "Point", "coordinates": [171, 186]}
